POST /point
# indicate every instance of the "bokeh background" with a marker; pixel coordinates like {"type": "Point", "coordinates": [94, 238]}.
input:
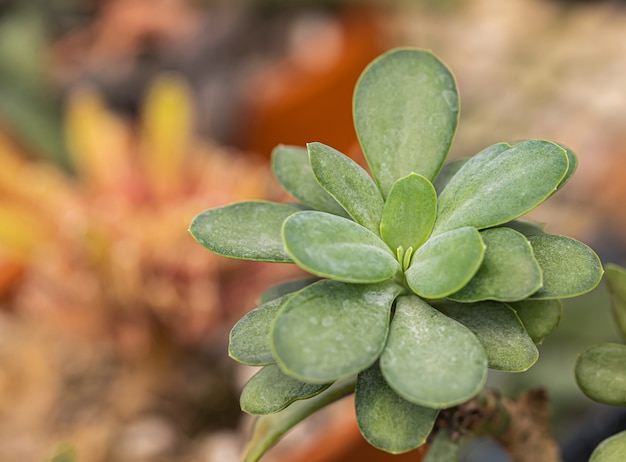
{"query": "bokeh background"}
{"type": "Point", "coordinates": [122, 119]}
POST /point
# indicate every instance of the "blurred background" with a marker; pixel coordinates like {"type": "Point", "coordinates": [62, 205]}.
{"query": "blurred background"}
{"type": "Point", "coordinates": [122, 119]}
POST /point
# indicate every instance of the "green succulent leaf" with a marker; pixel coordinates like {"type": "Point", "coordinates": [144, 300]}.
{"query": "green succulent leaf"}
{"type": "Point", "coordinates": [269, 428]}
{"type": "Point", "coordinates": [616, 282]}
{"type": "Point", "coordinates": [386, 420]}
{"type": "Point", "coordinates": [601, 373]}
{"type": "Point", "coordinates": [447, 172]}
{"type": "Point", "coordinates": [500, 184]}
{"type": "Point", "coordinates": [509, 270]}
{"type": "Point", "coordinates": [500, 331]}
{"type": "Point", "coordinates": [431, 359]}
{"type": "Point", "coordinates": [293, 171]}
{"type": "Point", "coordinates": [569, 267]}
{"type": "Point", "coordinates": [270, 391]}
{"type": "Point", "coordinates": [249, 339]}
{"type": "Point", "coordinates": [246, 230]}
{"type": "Point", "coordinates": [612, 449]}
{"type": "Point", "coordinates": [527, 228]}
{"type": "Point", "coordinates": [348, 183]}
{"type": "Point", "coordinates": [406, 111]}
{"type": "Point", "coordinates": [443, 448]}
{"type": "Point", "coordinates": [332, 330]}
{"type": "Point", "coordinates": [445, 263]}
{"type": "Point", "coordinates": [409, 213]}
{"type": "Point", "coordinates": [337, 248]}
{"type": "Point", "coordinates": [540, 317]}
{"type": "Point", "coordinates": [285, 288]}
{"type": "Point", "coordinates": [572, 166]}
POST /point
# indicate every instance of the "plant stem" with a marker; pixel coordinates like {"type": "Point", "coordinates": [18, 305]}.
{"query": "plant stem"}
{"type": "Point", "coordinates": [521, 426]}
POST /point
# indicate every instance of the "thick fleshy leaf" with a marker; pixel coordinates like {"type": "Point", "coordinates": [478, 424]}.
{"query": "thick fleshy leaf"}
{"type": "Point", "coordinates": [285, 288]}
{"type": "Point", "coordinates": [447, 172]}
{"type": "Point", "coordinates": [249, 339]}
{"type": "Point", "coordinates": [499, 329]}
{"type": "Point", "coordinates": [601, 373]}
{"type": "Point", "coordinates": [292, 169]}
{"type": "Point", "coordinates": [445, 263]}
{"type": "Point", "coordinates": [509, 270]}
{"type": "Point", "coordinates": [331, 330]}
{"type": "Point", "coordinates": [269, 391]}
{"type": "Point", "coordinates": [540, 317]}
{"type": "Point", "coordinates": [348, 183]}
{"type": "Point", "coordinates": [612, 449]}
{"type": "Point", "coordinates": [572, 166]}
{"type": "Point", "coordinates": [409, 213]}
{"type": "Point", "coordinates": [569, 267]}
{"type": "Point", "coordinates": [431, 359]}
{"type": "Point", "coordinates": [443, 448]}
{"type": "Point", "coordinates": [269, 428]}
{"type": "Point", "coordinates": [616, 282]}
{"type": "Point", "coordinates": [527, 228]}
{"type": "Point", "coordinates": [337, 248]}
{"type": "Point", "coordinates": [386, 420]}
{"type": "Point", "coordinates": [498, 185]}
{"type": "Point", "coordinates": [406, 111]}
{"type": "Point", "coordinates": [246, 230]}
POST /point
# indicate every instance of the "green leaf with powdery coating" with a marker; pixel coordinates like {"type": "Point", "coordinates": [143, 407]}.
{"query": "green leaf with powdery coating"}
{"type": "Point", "coordinates": [293, 171]}
{"type": "Point", "coordinates": [269, 428]}
{"type": "Point", "coordinates": [245, 230]}
{"type": "Point", "coordinates": [443, 448]}
{"type": "Point", "coordinates": [431, 359]}
{"type": "Point", "coordinates": [601, 373]}
{"type": "Point", "coordinates": [269, 391]}
{"type": "Point", "coordinates": [445, 263]}
{"type": "Point", "coordinates": [447, 172]}
{"type": "Point", "coordinates": [348, 183]}
{"type": "Point", "coordinates": [249, 339]}
{"type": "Point", "coordinates": [569, 267]}
{"type": "Point", "coordinates": [540, 317]}
{"type": "Point", "coordinates": [337, 248]}
{"type": "Point", "coordinates": [612, 449]}
{"type": "Point", "coordinates": [386, 420]}
{"type": "Point", "coordinates": [285, 288]}
{"type": "Point", "coordinates": [331, 330]}
{"type": "Point", "coordinates": [509, 348]}
{"type": "Point", "coordinates": [406, 110]}
{"type": "Point", "coordinates": [527, 228]}
{"type": "Point", "coordinates": [509, 270]}
{"type": "Point", "coordinates": [409, 213]}
{"type": "Point", "coordinates": [616, 282]}
{"type": "Point", "coordinates": [493, 189]}
{"type": "Point", "coordinates": [572, 166]}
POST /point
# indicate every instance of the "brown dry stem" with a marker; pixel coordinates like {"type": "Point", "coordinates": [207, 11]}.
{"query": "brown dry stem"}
{"type": "Point", "coordinates": [521, 426]}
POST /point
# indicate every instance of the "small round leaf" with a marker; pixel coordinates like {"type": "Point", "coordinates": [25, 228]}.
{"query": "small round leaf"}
{"type": "Point", "coordinates": [409, 213]}
{"type": "Point", "coordinates": [332, 330]}
{"type": "Point", "coordinates": [348, 183]}
{"type": "Point", "coordinates": [386, 420]}
{"type": "Point", "coordinates": [540, 317]}
{"type": "Point", "coordinates": [445, 263]}
{"type": "Point", "coordinates": [509, 270]}
{"type": "Point", "coordinates": [612, 449]}
{"type": "Point", "coordinates": [508, 346]}
{"type": "Point", "coordinates": [269, 391]}
{"type": "Point", "coordinates": [616, 282]}
{"type": "Point", "coordinates": [601, 373]}
{"type": "Point", "coordinates": [292, 169]}
{"type": "Point", "coordinates": [246, 230]}
{"type": "Point", "coordinates": [337, 248]}
{"type": "Point", "coordinates": [431, 359]}
{"type": "Point", "coordinates": [569, 268]}
{"type": "Point", "coordinates": [285, 288]}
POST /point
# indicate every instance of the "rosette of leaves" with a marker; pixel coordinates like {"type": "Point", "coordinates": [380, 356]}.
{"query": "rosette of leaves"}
{"type": "Point", "coordinates": [423, 278]}
{"type": "Point", "coordinates": [601, 369]}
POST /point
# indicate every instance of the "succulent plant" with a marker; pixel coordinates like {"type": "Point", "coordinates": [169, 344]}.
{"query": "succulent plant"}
{"type": "Point", "coordinates": [422, 275]}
